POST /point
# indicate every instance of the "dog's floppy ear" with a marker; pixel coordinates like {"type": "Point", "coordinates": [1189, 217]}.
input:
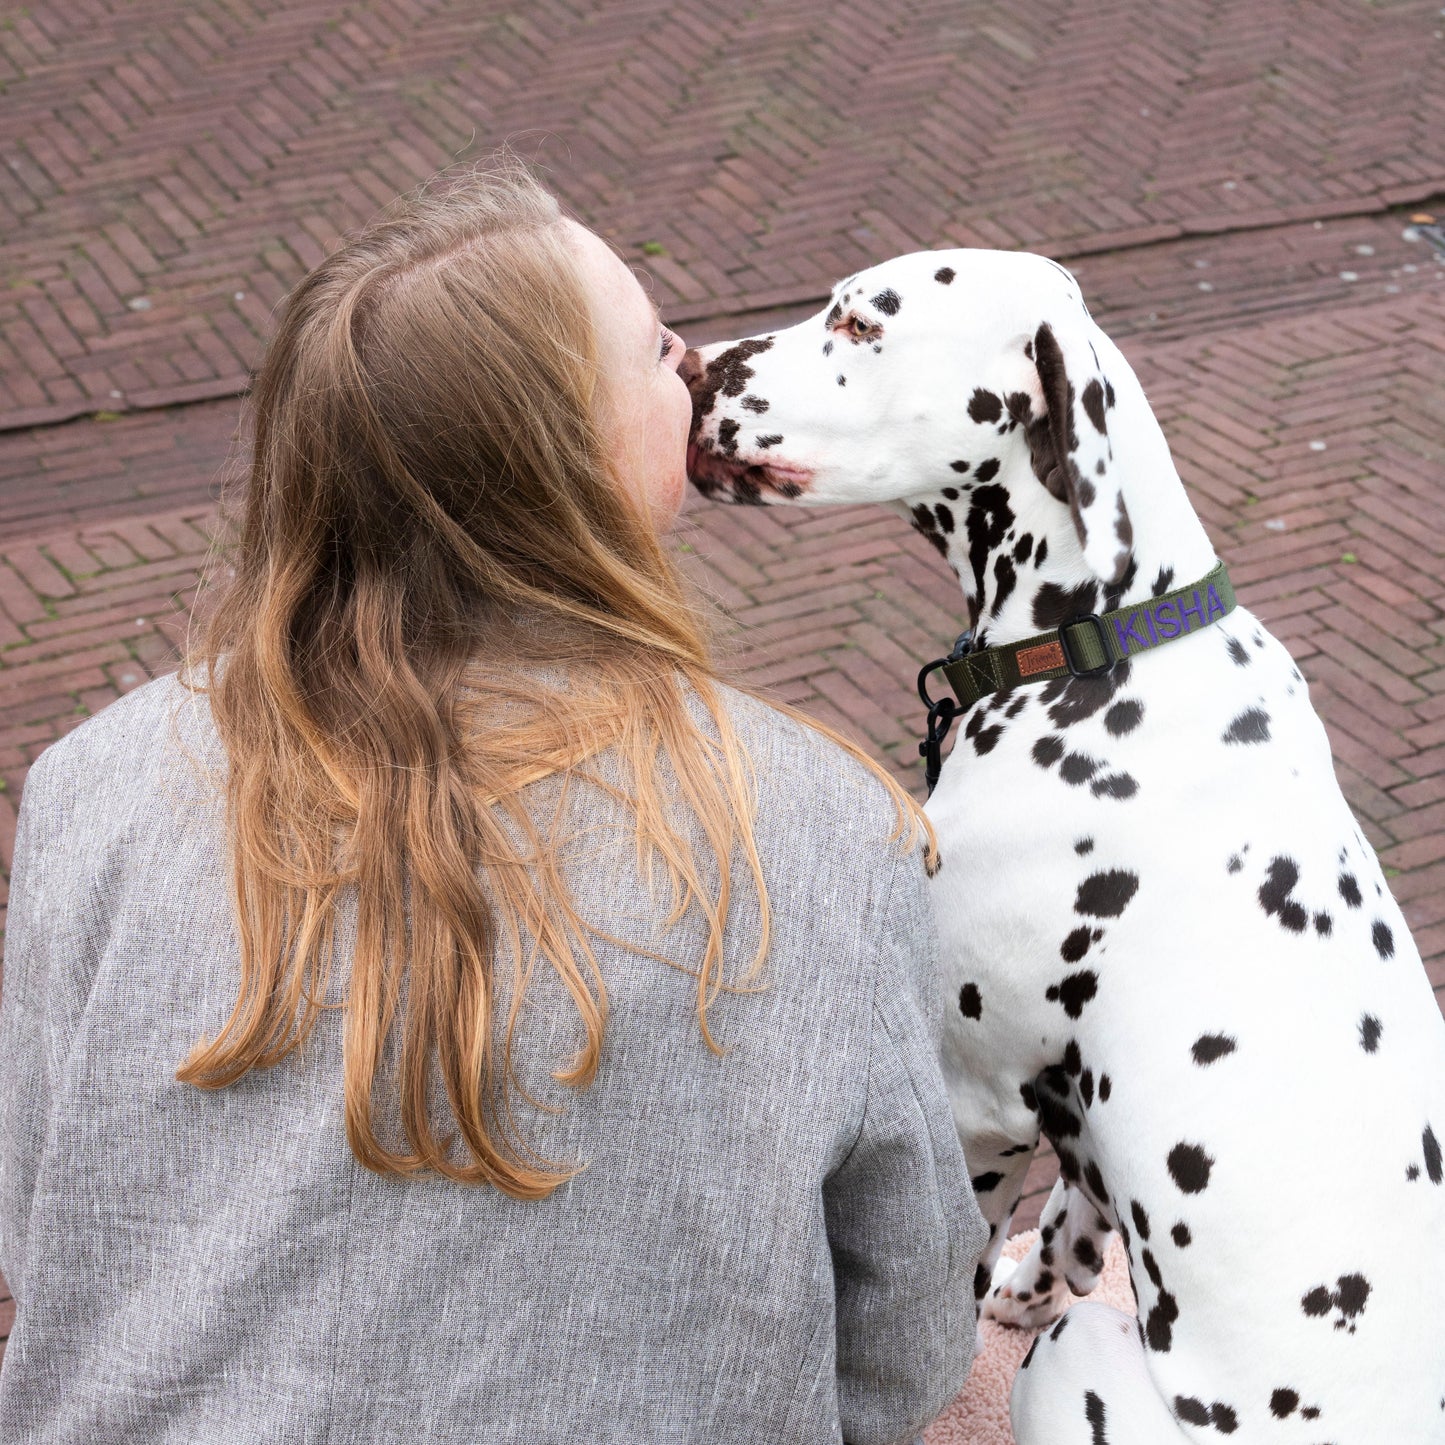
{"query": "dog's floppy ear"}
{"type": "Point", "coordinates": [1074, 456]}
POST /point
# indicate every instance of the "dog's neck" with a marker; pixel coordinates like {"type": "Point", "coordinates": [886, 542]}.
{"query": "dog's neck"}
{"type": "Point", "coordinates": [1015, 549]}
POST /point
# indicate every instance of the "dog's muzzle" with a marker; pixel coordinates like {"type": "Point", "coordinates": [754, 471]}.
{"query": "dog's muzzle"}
{"type": "Point", "coordinates": [727, 479]}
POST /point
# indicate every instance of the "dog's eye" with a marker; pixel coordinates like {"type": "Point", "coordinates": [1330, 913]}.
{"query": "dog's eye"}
{"type": "Point", "coordinates": [859, 328]}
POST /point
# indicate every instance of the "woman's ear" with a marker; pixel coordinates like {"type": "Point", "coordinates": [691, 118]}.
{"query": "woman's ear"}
{"type": "Point", "coordinates": [1077, 465]}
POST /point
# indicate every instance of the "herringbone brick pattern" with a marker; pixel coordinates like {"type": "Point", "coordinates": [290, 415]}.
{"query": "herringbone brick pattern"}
{"type": "Point", "coordinates": [174, 165]}
{"type": "Point", "coordinates": [1230, 180]}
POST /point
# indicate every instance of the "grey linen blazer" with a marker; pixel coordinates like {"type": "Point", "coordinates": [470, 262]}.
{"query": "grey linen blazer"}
{"type": "Point", "coordinates": [772, 1246]}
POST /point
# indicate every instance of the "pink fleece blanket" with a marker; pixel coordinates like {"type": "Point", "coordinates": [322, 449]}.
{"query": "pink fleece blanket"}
{"type": "Point", "coordinates": [979, 1416]}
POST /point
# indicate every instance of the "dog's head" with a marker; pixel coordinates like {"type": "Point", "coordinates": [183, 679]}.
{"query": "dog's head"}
{"type": "Point", "coordinates": [938, 370]}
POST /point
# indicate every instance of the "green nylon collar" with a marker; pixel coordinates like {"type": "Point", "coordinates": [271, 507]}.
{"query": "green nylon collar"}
{"type": "Point", "coordinates": [1092, 645]}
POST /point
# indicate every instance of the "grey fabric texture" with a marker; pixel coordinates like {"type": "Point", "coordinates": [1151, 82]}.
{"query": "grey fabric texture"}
{"type": "Point", "coordinates": [775, 1245]}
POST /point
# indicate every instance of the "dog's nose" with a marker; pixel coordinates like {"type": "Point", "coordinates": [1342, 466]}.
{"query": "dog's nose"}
{"type": "Point", "coordinates": [690, 368]}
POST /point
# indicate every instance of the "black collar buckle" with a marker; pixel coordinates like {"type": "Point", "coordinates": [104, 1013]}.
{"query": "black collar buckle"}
{"type": "Point", "coordinates": [1109, 663]}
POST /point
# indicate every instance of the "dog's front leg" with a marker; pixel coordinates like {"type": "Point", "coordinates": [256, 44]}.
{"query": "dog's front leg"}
{"type": "Point", "coordinates": [998, 1166]}
{"type": "Point", "coordinates": [1067, 1257]}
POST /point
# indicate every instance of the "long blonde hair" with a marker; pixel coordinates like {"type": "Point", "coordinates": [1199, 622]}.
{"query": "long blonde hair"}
{"type": "Point", "coordinates": [443, 593]}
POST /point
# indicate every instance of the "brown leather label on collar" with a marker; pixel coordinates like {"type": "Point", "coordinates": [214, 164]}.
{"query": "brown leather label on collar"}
{"type": "Point", "coordinates": [1034, 660]}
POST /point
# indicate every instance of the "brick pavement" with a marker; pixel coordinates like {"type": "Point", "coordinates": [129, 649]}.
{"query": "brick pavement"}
{"type": "Point", "coordinates": [1247, 240]}
{"type": "Point", "coordinates": [176, 164]}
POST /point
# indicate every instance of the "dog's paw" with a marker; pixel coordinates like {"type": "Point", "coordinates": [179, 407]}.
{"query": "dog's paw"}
{"type": "Point", "coordinates": [1015, 1298]}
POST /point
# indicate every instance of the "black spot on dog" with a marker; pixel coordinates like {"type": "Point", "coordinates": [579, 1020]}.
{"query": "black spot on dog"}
{"type": "Point", "coordinates": [1106, 894]}
{"type": "Point", "coordinates": [1189, 1167]}
{"type": "Point", "coordinates": [1075, 946]}
{"type": "Point", "coordinates": [1370, 1030]}
{"type": "Point", "coordinates": [842, 381]}
{"type": "Point", "coordinates": [1005, 578]}
{"type": "Point", "coordinates": [1324, 924]}
{"type": "Point", "coordinates": [771, 440]}
{"type": "Point", "coordinates": [986, 1183]}
{"type": "Point", "coordinates": [1058, 1121]}
{"type": "Point", "coordinates": [1140, 1218]}
{"type": "Point", "coordinates": [1077, 769]}
{"type": "Point", "coordinates": [944, 514]}
{"type": "Point", "coordinates": [1114, 591]}
{"type": "Point", "coordinates": [1274, 895]}
{"type": "Point", "coordinates": [984, 739]}
{"type": "Point", "coordinates": [944, 275]}
{"type": "Point", "coordinates": [1238, 652]}
{"type": "Point", "coordinates": [970, 1001]}
{"type": "Point", "coordinates": [1086, 1086]}
{"type": "Point", "coordinates": [951, 493]}
{"type": "Point", "coordinates": [1071, 700]}
{"type": "Point", "coordinates": [1116, 785]}
{"type": "Point", "coordinates": [888, 302]}
{"type": "Point", "coordinates": [925, 522]}
{"type": "Point", "coordinates": [756, 404]}
{"type": "Point", "coordinates": [1347, 1298]}
{"type": "Point", "coordinates": [727, 436]}
{"type": "Point", "coordinates": [728, 374]}
{"type": "Point", "coordinates": [1431, 1145]}
{"type": "Point", "coordinates": [1029, 1095]}
{"type": "Point", "coordinates": [1412, 1172]}
{"type": "Point", "coordinates": [1094, 1182]}
{"type": "Point", "coordinates": [1106, 1087]}
{"type": "Point", "coordinates": [959, 466]}
{"type": "Point", "coordinates": [834, 316]}
{"type": "Point", "coordinates": [989, 518]}
{"type": "Point", "coordinates": [984, 406]}
{"type": "Point", "coordinates": [981, 1281]}
{"type": "Point", "coordinates": [1084, 845]}
{"type": "Point", "coordinates": [1074, 991]}
{"type": "Point", "coordinates": [1209, 1047]}
{"type": "Point", "coordinates": [987, 469]}
{"type": "Point", "coordinates": [1190, 1410]}
{"type": "Point", "coordinates": [1162, 581]}
{"type": "Point", "coordinates": [1124, 717]}
{"type": "Point", "coordinates": [1023, 548]}
{"type": "Point", "coordinates": [1048, 750]}
{"type": "Point", "coordinates": [1235, 863]}
{"type": "Point", "coordinates": [1159, 1328]}
{"type": "Point", "coordinates": [1073, 1060]}
{"type": "Point", "coordinates": [1223, 1418]}
{"type": "Point", "coordinates": [1181, 1236]}
{"type": "Point", "coordinates": [1350, 890]}
{"type": "Point", "coordinates": [1382, 938]}
{"type": "Point", "coordinates": [1087, 1254]}
{"type": "Point", "coordinates": [1096, 1415]}
{"type": "Point", "coordinates": [1151, 1268]}
{"type": "Point", "coordinates": [1059, 1328]}
{"type": "Point", "coordinates": [1251, 726]}
{"type": "Point", "coordinates": [1093, 401]}
{"type": "Point", "coordinates": [1310, 1412]}
{"type": "Point", "coordinates": [1283, 1403]}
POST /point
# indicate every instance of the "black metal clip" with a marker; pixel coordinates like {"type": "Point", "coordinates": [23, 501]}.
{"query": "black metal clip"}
{"type": "Point", "coordinates": [941, 713]}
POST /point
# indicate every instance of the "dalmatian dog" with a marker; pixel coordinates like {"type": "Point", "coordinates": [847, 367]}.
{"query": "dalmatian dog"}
{"type": "Point", "coordinates": [1171, 951]}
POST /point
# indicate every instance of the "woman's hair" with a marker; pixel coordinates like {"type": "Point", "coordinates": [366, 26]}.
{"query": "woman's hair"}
{"type": "Point", "coordinates": [443, 593]}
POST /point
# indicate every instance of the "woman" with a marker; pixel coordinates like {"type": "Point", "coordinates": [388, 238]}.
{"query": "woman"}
{"type": "Point", "coordinates": [554, 1024]}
